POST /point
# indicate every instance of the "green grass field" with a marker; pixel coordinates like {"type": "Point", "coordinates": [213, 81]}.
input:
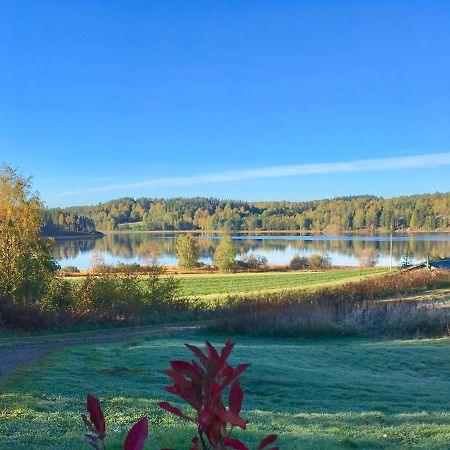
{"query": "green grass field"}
{"type": "Point", "coordinates": [316, 394]}
{"type": "Point", "coordinates": [244, 283]}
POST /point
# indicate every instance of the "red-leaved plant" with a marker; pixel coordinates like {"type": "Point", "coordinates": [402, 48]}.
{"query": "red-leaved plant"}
{"type": "Point", "coordinates": [95, 424]}
{"type": "Point", "coordinates": [202, 385]}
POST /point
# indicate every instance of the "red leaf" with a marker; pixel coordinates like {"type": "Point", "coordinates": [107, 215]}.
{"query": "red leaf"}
{"type": "Point", "coordinates": [234, 374]}
{"type": "Point", "coordinates": [234, 443]}
{"type": "Point", "coordinates": [197, 352]}
{"type": "Point", "coordinates": [184, 367]}
{"type": "Point", "coordinates": [226, 350]}
{"type": "Point", "coordinates": [96, 415]}
{"type": "Point", "coordinates": [212, 351]}
{"type": "Point", "coordinates": [267, 441]}
{"type": "Point", "coordinates": [234, 419]}
{"type": "Point", "coordinates": [137, 436]}
{"type": "Point", "coordinates": [181, 366]}
{"type": "Point", "coordinates": [235, 398]}
{"type": "Point", "coordinates": [195, 442]}
{"type": "Point", "coordinates": [199, 371]}
{"type": "Point", "coordinates": [240, 368]}
{"type": "Point", "coordinates": [178, 379]}
{"type": "Point", "coordinates": [168, 407]}
{"type": "Point", "coordinates": [171, 389]}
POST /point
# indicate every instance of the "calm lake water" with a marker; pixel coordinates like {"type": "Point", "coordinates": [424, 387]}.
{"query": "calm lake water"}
{"type": "Point", "coordinates": [343, 250]}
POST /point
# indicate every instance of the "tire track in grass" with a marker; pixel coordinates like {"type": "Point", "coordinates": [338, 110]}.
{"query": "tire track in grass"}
{"type": "Point", "coordinates": [16, 352]}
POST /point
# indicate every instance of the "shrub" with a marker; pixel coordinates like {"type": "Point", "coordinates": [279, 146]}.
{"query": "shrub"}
{"type": "Point", "coordinates": [253, 261]}
{"type": "Point", "coordinates": [125, 296]}
{"type": "Point", "coordinates": [60, 296]}
{"type": "Point", "coordinates": [299, 262]}
{"type": "Point", "coordinates": [319, 261]}
{"type": "Point", "coordinates": [69, 269]}
{"type": "Point", "coordinates": [159, 293]}
{"type": "Point", "coordinates": [368, 257]}
{"type": "Point", "coordinates": [406, 260]}
{"type": "Point", "coordinates": [135, 268]}
{"type": "Point", "coordinates": [98, 298]}
{"type": "Point", "coordinates": [25, 316]}
{"type": "Point", "coordinates": [241, 264]}
{"type": "Point", "coordinates": [201, 384]}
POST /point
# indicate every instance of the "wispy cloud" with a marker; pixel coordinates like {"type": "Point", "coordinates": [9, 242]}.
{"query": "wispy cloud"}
{"type": "Point", "coordinates": [363, 165]}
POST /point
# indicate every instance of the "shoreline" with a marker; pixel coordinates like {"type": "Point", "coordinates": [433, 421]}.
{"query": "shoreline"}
{"type": "Point", "coordinates": [95, 235]}
{"type": "Point", "coordinates": [281, 269]}
{"type": "Point", "coordinates": [279, 232]}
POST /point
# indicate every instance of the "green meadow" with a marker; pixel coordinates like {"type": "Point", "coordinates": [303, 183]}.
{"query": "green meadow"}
{"type": "Point", "coordinates": [231, 284]}
{"type": "Point", "coordinates": [244, 283]}
{"type": "Point", "coordinates": [316, 394]}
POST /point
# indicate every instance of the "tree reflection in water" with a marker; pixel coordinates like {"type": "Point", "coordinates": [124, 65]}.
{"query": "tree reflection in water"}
{"type": "Point", "coordinates": [343, 250]}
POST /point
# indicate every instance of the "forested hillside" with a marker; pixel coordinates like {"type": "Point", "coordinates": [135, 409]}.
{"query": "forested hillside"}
{"type": "Point", "coordinates": [56, 221]}
{"type": "Point", "coordinates": [428, 212]}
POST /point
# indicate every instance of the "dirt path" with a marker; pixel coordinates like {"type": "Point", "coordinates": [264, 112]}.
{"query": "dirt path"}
{"type": "Point", "coordinates": [16, 353]}
{"type": "Point", "coordinates": [24, 353]}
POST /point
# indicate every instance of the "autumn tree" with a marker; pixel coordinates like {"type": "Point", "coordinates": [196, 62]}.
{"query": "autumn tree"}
{"type": "Point", "coordinates": [186, 249]}
{"type": "Point", "coordinates": [225, 254]}
{"type": "Point", "coordinates": [26, 263]}
{"type": "Point", "coordinates": [319, 261]}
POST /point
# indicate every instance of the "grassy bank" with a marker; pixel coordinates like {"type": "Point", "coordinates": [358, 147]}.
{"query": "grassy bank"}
{"type": "Point", "coordinates": [375, 306]}
{"type": "Point", "coordinates": [316, 394]}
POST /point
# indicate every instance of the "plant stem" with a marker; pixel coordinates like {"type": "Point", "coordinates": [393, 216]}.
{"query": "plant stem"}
{"type": "Point", "coordinates": [205, 447]}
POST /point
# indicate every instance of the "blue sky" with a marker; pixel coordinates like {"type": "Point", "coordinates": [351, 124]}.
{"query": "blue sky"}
{"type": "Point", "coordinates": [103, 99]}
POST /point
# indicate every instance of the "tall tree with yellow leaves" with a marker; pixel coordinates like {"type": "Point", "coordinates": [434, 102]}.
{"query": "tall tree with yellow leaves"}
{"type": "Point", "coordinates": [26, 263]}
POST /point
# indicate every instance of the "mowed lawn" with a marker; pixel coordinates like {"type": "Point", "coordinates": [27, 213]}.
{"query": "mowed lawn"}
{"type": "Point", "coordinates": [316, 394]}
{"type": "Point", "coordinates": [240, 283]}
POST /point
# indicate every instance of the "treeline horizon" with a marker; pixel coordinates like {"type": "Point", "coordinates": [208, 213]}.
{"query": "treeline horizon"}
{"type": "Point", "coordinates": [56, 221]}
{"type": "Point", "coordinates": [421, 212]}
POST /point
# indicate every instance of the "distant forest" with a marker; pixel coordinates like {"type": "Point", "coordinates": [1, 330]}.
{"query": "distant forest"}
{"type": "Point", "coordinates": [61, 222]}
{"type": "Point", "coordinates": [428, 212]}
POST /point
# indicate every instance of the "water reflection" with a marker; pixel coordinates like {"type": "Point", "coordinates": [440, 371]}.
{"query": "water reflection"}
{"type": "Point", "coordinates": [343, 250]}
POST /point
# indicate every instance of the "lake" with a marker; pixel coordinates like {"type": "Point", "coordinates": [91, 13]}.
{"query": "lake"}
{"type": "Point", "coordinates": [278, 249]}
